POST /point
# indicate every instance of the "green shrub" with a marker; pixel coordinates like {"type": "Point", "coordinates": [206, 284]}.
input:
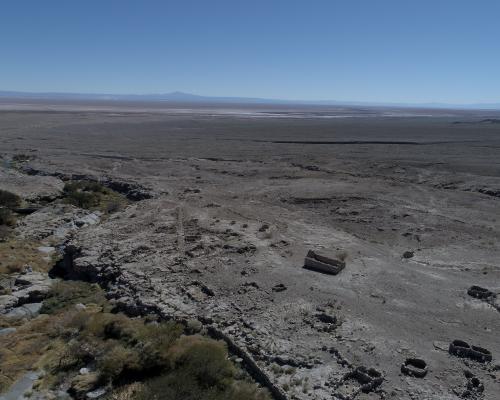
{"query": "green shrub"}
{"type": "Point", "coordinates": [9, 200]}
{"type": "Point", "coordinates": [117, 359]}
{"type": "Point", "coordinates": [83, 194]}
{"type": "Point", "coordinates": [6, 217]}
{"type": "Point", "coordinates": [204, 360]}
{"type": "Point", "coordinates": [85, 186]}
{"type": "Point", "coordinates": [82, 199]}
{"type": "Point", "coordinates": [119, 347]}
{"type": "Point", "coordinates": [93, 195]}
{"type": "Point", "coordinates": [5, 231]}
{"type": "Point", "coordinates": [199, 369]}
{"type": "Point", "coordinates": [76, 354]}
{"type": "Point", "coordinates": [112, 206]}
{"type": "Point", "coordinates": [22, 158]}
{"type": "Point", "coordinates": [248, 391]}
{"type": "Point", "coordinates": [65, 294]}
{"type": "Point", "coordinates": [81, 384]}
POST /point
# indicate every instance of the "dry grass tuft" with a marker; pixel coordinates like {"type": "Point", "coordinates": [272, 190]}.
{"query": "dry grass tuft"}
{"type": "Point", "coordinates": [16, 254]}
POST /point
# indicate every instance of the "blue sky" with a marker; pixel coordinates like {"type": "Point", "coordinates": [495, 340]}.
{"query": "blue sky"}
{"type": "Point", "coordinates": [356, 50]}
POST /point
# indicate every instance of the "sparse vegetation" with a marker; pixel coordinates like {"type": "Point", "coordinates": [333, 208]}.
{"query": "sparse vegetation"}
{"type": "Point", "coordinates": [4, 232]}
{"type": "Point", "coordinates": [66, 294]}
{"type": "Point", "coordinates": [6, 217]}
{"type": "Point", "coordinates": [8, 201]}
{"type": "Point", "coordinates": [22, 158]}
{"type": "Point", "coordinates": [277, 370]}
{"type": "Point", "coordinates": [93, 196]}
{"type": "Point", "coordinates": [15, 254]}
{"type": "Point", "coordinates": [83, 194]}
{"type": "Point", "coordinates": [78, 330]}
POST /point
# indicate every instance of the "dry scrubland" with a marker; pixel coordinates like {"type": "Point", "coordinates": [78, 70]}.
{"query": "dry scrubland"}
{"type": "Point", "coordinates": [194, 224]}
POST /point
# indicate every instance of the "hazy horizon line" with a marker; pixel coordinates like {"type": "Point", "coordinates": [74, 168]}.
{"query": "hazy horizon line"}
{"type": "Point", "coordinates": [191, 97]}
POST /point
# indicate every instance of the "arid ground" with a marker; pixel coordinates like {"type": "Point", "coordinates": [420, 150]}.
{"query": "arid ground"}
{"type": "Point", "coordinates": [238, 195]}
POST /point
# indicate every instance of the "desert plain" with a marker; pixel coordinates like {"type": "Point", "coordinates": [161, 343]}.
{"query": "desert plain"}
{"type": "Point", "coordinates": [227, 200]}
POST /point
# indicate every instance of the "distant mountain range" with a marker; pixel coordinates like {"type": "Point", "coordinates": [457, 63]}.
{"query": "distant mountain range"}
{"type": "Point", "coordinates": [181, 97]}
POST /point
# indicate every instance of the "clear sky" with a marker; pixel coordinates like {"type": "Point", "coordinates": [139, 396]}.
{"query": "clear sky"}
{"type": "Point", "coordinates": [354, 50]}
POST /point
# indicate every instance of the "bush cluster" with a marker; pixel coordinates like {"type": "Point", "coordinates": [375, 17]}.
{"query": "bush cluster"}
{"type": "Point", "coordinates": [8, 201]}
{"type": "Point", "coordinates": [199, 369]}
{"type": "Point", "coordinates": [92, 195]}
{"type": "Point", "coordinates": [65, 294]}
{"type": "Point", "coordinates": [117, 345]}
{"type": "Point", "coordinates": [6, 217]}
{"type": "Point", "coordinates": [84, 194]}
{"type": "Point", "coordinates": [119, 350]}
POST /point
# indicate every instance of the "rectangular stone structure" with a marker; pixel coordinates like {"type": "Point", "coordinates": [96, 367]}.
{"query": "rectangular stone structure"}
{"type": "Point", "coordinates": [320, 263]}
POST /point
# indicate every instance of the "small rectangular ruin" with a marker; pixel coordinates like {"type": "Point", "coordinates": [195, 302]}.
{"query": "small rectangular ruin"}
{"type": "Point", "coordinates": [321, 263]}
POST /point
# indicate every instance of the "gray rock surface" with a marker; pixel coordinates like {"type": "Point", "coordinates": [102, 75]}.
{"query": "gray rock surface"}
{"type": "Point", "coordinates": [57, 220]}
{"type": "Point", "coordinates": [6, 331]}
{"type": "Point", "coordinates": [28, 310]}
{"type": "Point", "coordinates": [30, 188]}
{"type": "Point", "coordinates": [31, 287]}
{"type": "Point", "coordinates": [22, 386]}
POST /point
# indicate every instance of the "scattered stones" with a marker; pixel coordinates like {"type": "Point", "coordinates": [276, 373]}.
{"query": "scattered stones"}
{"type": "Point", "coordinates": [327, 318]}
{"type": "Point", "coordinates": [480, 293]}
{"type": "Point", "coordinates": [474, 387]}
{"type": "Point", "coordinates": [192, 190]}
{"type": "Point", "coordinates": [414, 367]}
{"type": "Point", "coordinates": [408, 254]}
{"type": "Point", "coordinates": [368, 378]}
{"type": "Point", "coordinates": [279, 287]}
{"type": "Point", "coordinates": [264, 228]}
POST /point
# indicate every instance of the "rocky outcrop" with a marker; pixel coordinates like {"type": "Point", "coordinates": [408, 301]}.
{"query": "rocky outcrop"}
{"type": "Point", "coordinates": [57, 220]}
{"type": "Point", "coordinates": [133, 191]}
{"type": "Point", "coordinates": [30, 188]}
{"type": "Point", "coordinates": [28, 288]}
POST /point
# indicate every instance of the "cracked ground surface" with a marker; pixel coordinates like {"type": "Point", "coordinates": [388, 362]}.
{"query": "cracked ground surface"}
{"type": "Point", "coordinates": [238, 203]}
